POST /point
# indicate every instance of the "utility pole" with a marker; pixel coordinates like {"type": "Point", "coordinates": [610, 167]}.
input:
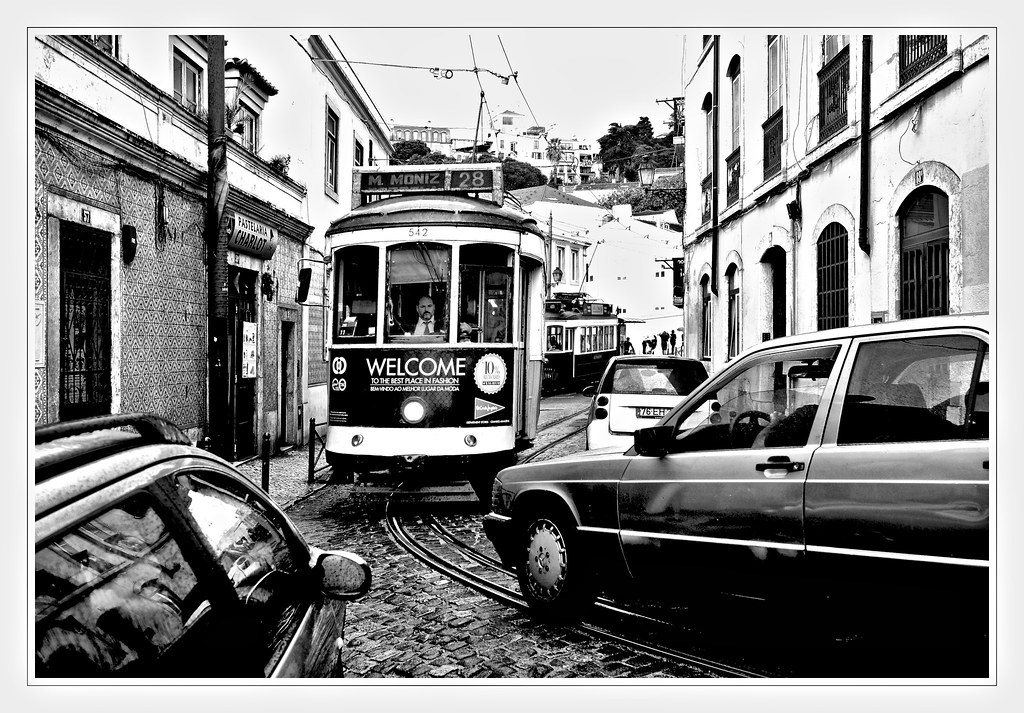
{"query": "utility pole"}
{"type": "Point", "coordinates": [217, 186]}
{"type": "Point", "coordinates": [550, 240]}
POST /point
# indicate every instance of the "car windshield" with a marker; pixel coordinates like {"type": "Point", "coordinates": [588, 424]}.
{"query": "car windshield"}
{"type": "Point", "coordinates": [676, 379]}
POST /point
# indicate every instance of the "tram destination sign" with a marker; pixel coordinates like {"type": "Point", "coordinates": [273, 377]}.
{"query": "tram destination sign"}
{"type": "Point", "coordinates": [453, 180]}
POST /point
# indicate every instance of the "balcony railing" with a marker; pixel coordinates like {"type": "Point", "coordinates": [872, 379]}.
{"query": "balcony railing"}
{"type": "Point", "coordinates": [732, 177]}
{"type": "Point", "coordinates": [833, 89]}
{"type": "Point", "coordinates": [918, 53]}
{"type": "Point", "coordinates": [773, 144]}
{"type": "Point", "coordinates": [705, 199]}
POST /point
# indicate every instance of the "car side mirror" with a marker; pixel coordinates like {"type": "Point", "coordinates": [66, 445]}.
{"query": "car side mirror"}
{"type": "Point", "coordinates": [589, 390]}
{"type": "Point", "coordinates": [653, 441]}
{"type": "Point", "coordinates": [343, 575]}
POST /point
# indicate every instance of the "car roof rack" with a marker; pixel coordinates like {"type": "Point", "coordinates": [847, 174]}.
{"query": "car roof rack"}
{"type": "Point", "coordinates": [97, 437]}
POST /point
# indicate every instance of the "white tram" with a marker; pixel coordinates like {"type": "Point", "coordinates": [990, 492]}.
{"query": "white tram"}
{"type": "Point", "coordinates": [463, 385]}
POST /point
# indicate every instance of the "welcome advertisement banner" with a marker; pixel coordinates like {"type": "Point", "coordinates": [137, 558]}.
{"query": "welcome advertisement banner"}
{"type": "Point", "coordinates": [458, 387]}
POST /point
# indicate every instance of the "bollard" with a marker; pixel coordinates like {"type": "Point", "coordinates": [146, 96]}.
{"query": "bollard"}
{"type": "Point", "coordinates": [312, 449]}
{"type": "Point", "coordinates": [266, 463]}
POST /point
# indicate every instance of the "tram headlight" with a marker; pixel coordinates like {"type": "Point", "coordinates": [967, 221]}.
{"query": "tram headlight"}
{"type": "Point", "coordinates": [357, 440]}
{"type": "Point", "coordinates": [414, 410]}
{"type": "Point", "coordinates": [470, 440]}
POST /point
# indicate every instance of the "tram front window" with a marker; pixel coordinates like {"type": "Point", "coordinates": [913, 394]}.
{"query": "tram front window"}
{"type": "Point", "coordinates": [355, 289]}
{"type": "Point", "coordinates": [418, 285]}
{"type": "Point", "coordinates": [485, 294]}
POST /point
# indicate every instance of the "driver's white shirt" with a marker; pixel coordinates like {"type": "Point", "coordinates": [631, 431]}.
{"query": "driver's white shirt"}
{"type": "Point", "coordinates": [423, 327]}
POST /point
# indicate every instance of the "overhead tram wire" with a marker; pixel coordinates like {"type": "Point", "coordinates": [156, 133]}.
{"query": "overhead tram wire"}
{"type": "Point", "coordinates": [515, 75]}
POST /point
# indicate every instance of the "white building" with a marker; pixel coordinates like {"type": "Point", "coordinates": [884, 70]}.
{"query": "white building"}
{"type": "Point", "coordinates": [801, 218]}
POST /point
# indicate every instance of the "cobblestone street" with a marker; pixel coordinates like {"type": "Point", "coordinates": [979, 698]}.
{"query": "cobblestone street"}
{"type": "Point", "coordinates": [416, 623]}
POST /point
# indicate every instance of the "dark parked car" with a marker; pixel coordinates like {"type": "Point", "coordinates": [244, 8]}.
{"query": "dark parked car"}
{"type": "Point", "coordinates": [158, 559]}
{"type": "Point", "coordinates": [851, 455]}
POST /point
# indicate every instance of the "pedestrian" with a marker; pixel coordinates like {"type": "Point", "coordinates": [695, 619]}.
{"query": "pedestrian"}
{"type": "Point", "coordinates": [664, 342]}
{"type": "Point", "coordinates": [627, 347]}
{"type": "Point", "coordinates": [672, 341]}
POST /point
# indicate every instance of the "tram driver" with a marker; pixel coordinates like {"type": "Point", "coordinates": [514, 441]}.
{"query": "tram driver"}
{"type": "Point", "coordinates": [428, 322]}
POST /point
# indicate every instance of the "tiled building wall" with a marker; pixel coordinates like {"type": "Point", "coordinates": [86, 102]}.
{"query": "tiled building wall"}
{"type": "Point", "coordinates": [163, 291]}
{"type": "Point", "coordinates": [284, 267]}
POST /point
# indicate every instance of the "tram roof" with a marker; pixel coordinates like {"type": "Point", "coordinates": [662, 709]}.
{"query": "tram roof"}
{"type": "Point", "coordinates": [434, 209]}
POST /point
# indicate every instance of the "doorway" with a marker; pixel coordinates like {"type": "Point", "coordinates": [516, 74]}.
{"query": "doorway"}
{"type": "Point", "coordinates": [84, 321]}
{"type": "Point", "coordinates": [287, 385]}
{"type": "Point", "coordinates": [774, 260]}
{"type": "Point", "coordinates": [242, 316]}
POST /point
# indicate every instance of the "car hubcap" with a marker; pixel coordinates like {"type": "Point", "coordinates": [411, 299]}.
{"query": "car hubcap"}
{"type": "Point", "coordinates": [546, 560]}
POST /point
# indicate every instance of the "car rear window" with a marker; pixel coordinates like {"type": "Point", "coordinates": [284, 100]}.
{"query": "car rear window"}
{"type": "Point", "coordinates": [654, 378]}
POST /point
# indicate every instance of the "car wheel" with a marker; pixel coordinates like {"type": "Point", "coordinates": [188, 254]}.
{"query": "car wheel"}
{"type": "Point", "coordinates": [552, 574]}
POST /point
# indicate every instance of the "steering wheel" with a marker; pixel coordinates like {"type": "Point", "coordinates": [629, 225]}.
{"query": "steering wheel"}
{"type": "Point", "coordinates": [752, 415]}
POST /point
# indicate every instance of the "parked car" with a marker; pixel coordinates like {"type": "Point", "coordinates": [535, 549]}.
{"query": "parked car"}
{"type": "Point", "coordinates": [158, 559]}
{"type": "Point", "coordinates": [637, 391]}
{"type": "Point", "coordinates": [852, 455]}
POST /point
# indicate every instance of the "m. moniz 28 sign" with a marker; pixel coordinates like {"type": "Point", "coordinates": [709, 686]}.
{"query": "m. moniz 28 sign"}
{"type": "Point", "coordinates": [426, 181]}
{"type": "Point", "coordinates": [458, 387]}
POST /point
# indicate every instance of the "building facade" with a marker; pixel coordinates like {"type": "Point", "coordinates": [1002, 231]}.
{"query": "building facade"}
{"type": "Point", "coordinates": [123, 309]}
{"type": "Point", "coordinates": [833, 180]}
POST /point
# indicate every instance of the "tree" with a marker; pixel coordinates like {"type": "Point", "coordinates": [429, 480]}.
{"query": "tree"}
{"type": "Point", "coordinates": [517, 174]}
{"type": "Point", "coordinates": [407, 151]}
{"type": "Point", "coordinates": [554, 154]}
{"type": "Point", "coordinates": [644, 131]}
{"type": "Point", "coordinates": [642, 200]}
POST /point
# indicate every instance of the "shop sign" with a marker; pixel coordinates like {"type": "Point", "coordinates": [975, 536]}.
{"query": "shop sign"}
{"type": "Point", "coordinates": [248, 350]}
{"type": "Point", "coordinates": [248, 236]}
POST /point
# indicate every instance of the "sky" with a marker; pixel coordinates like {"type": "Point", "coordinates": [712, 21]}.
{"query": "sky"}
{"type": "Point", "coordinates": [576, 81]}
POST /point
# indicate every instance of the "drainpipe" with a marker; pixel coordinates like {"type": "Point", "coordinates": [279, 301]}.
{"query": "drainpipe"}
{"type": "Point", "coordinates": [714, 169]}
{"type": "Point", "coordinates": [865, 143]}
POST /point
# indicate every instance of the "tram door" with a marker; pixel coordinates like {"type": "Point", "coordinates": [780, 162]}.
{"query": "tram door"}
{"type": "Point", "coordinates": [570, 346]}
{"type": "Point", "coordinates": [242, 303]}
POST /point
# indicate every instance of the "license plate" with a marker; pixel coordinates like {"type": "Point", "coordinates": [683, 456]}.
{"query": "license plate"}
{"type": "Point", "coordinates": [650, 412]}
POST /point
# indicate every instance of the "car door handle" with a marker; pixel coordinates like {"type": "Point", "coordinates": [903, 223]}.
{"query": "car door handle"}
{"type": "Point", "coordinates": [778, 466]}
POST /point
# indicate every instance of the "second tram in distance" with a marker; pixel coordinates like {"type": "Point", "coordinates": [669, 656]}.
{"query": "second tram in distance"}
{"type": "Point", "coordinates": [437, 321]}
{"type": "Point", "coordinates": [581, 336]}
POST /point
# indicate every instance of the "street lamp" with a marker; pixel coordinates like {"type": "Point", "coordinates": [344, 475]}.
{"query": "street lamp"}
{"type": "Point", "coordinates": [646, 171]}
{"type": "Point", "coordinates": [556, 275]}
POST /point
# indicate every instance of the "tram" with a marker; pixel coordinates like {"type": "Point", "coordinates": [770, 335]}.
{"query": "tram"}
{"type": "Point", "coordinates": [581, 335]}
{"type": "Point", "coordinates": [437, 304]}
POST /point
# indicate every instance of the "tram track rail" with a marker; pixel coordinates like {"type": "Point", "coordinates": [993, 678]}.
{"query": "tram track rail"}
{"type": "Point", "coordinates": [484, 583]}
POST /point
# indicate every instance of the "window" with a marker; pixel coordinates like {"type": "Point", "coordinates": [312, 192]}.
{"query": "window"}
{"type": "Point", "coordinates": [918, 53]}
{"type": "Point", "coordinates": [115, 595]}
{"type": "Point", "coordinates": [418, 282]}
{"type": "Point", "coordinates": [922, 389]}
{"type": "Point", "coordinates": [654, 378]}
{"type": "Point", "coordinates": [485, 294]}
{"type": "Point", "coordinates": [732, 287]}
{"type": "Point", "coordinates": [506, 121]}
{"type": "Point", "coordinates": [924, 254]}
{"type": "Point", "coordinates": [187, 82]}
{"type": "Point", "coordinates": [770, 404]}
{"type": "Point", "coordinates": [709, 134]}
{"type": "Point", "coordinates": [108, 44]}
{"type": "Point", "coordinates": [536, 145]}
{"type": "Point", "coordinates": [501, 144]}
{"type": "Point", "coordinates": [357, 153]}
{"type": "Point", "coordinates": [831, 45]}
{"type": "Point", "coordinates": [705, 310]}
{"type": "Point", "coordinates": [355, 290]}
{"type": "Point", "coordinates": [774, 74]}
{"type": "Point", "coordinates": [833, 270]}
{"type": "Point", "coordinates": [512, 146]}
{"type": "Point", "coordinates": [266, 569]}
{"type": "Point", "coordinates": [331, 152]}
{"type": "Point", "coordinates": [737, 108]}
{"type": "Point", "coordinates": [249, 122]}
{"type": "Point", "coordinates": [555, 341]}
{"type": "Point", "coordinates": [575, 265]}
{"type": "Point", "coordinates": [560, 259]}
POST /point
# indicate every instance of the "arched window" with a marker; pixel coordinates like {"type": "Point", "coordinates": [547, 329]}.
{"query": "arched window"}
{"type": "Point", "coordinates": [924, 254]}
{"type": "Point", "coordinates": [732, 286]}
{"type": "Point", "coordinates": [710, 133]}
{"type": "Point", "coordinates": [734, 87]}
{"type": "Point", "coordinates": [705, 310]}
{"type": "Point", "coordinates": [833, 277]}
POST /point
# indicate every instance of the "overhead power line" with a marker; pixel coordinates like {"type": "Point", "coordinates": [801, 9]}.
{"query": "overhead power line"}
{"type": "Point", "coordinates": [515, 76]}
{"type": "Point", "coordinates": [438, 72]}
